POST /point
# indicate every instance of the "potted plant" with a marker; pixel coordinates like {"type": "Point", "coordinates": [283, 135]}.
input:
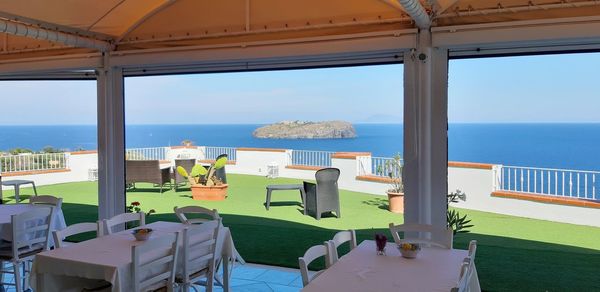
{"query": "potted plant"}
{"type": "Point", "coordinates": [395, 193]}
{"type": "Point", "coordinates": [204, 183]}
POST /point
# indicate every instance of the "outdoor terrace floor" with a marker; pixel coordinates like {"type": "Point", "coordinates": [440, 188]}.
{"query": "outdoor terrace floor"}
{"type": "Point", "coordinates": [514, 254]}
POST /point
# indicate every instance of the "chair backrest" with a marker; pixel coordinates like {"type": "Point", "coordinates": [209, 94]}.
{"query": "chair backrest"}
{"type": "Point", "coordinates": [464, 277]}
{"type": "Point", "coordinates": [46, 200]}
{"type": "Point", "coordinates": [60, 235]}
{"type": "Point", "coordinates": [311, 255]}
{"type": "Point", "coordinates": [339, 239]}
{"type": "Point", "coordinates": [472, 249]}
{"type": "Point", "coordinates": [187, 164]}
{"type": "Point", "coordinates": [180, 213]}
{"type": "Point", "coordinates": [441, 237]}
{"type": "Point", "coordinates": [108, 224]}
{"type": "Point", "coordinates": [142, 170]}
{"type": "Point", "coordinates": [31, 231]}
{"type": "Point", "coordinates": [154, 262]}
{"type": "Point", "coordinates": [327, 181]}
{"type": "Point", "coordinates": [199, 247]}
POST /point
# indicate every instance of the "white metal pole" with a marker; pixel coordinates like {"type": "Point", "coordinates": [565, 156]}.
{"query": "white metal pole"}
{"type": "Point", "coordinates": [425, 133]}
{"type": "Point", "coordinates": [111, 141]}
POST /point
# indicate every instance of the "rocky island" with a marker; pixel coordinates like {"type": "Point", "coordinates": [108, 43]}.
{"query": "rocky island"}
{"type": "Point", "coordinates": [306, 130]}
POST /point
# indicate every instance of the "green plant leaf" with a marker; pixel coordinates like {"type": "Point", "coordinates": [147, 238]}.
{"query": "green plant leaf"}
{"type": "Point", "coordinates": [220, 163]}
{"type": "Point", "coordinates": [198, 170]}
{"type": "Point", "coordinates": [182, 171]}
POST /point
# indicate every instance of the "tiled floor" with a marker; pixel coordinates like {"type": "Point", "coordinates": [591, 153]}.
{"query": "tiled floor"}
{"type": "Point", "coordinates": [247, 278]}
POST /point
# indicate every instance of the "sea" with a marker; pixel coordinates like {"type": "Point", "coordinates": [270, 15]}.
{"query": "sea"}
{"type": "Point", "coordinates": [565, 145]}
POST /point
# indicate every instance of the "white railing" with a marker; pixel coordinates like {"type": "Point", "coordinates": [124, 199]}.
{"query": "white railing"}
{"type": "Point", "coordinates": [547, 181]}
{"type": "Point", "coordinates": [33, 162]}
{"type": "Point", "coordinates": [149, 153]}
{"type": "Point", "coordinates": [385, 166]}
{"type": "Point", "coordinates": [311, 158]}
{"type": "Point", "coordinates": [213, 152]}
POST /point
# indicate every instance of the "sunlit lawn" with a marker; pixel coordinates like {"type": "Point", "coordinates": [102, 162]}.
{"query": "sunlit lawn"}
{"type": "Point", "coordinates": [513, 253]}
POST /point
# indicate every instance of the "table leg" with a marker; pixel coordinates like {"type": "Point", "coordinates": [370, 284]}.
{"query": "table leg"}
{"type": "Point", "coordinates": [17, 193]}
{"type": "Point", "coordinates": [303, 194]}
{"type": "Point", "coordinates": [226, 274]}
{"type": "Point", "coordinates": [34, 189]}
{"type": "Point", "coordinates": [268, 201]}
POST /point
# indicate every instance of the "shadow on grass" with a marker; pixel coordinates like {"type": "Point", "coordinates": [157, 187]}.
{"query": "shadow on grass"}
{"type": "Point", "coordinates": [503, 263]}
{"type": "Point", "coordinates": [381, 203]}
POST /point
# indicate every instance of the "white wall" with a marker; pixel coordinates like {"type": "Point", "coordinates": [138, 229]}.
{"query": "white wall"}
{"type": "Point", "coordinates": [478, 186]}
{"type": "Point", "coordinates": [475, 182]}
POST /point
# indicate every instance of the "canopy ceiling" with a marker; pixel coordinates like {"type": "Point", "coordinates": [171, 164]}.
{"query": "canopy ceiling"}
{"type": "Point", "coordinates": [144, 24]}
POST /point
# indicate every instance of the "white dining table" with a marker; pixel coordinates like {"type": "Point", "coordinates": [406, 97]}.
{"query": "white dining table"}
{"type": "Point", "coordinates": [434, 269]}
{"type": "Point", "coordinates": [7, 210]}
{"type": "Point", "coordinates": [108, 258]}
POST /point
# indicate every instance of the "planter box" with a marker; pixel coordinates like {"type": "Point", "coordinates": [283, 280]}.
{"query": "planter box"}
{"type": "Point", "coordinates": [396, 202]}
{"type": "Point", "coordinates": [212, 193]}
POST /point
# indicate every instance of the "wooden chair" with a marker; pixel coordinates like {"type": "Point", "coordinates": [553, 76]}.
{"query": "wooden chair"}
{"type": "Point", "coordinates": [46, 200]}
{"type": "Point", "coordinates": [30, 235]}
{"type": "Point", "coordinates": [442, 237]}
{"type": "Point", "coordinates": [199, 258]}
{"type": "Point", "coordinates": [146, 171]}
{"type": "Point", "coordinates": [472, 248]}
{"type": "Point", "coordinates": [60, 235]}
{"type": "Point", "coordinates": [339, 239]}
{"type": "Point", "coordinates": [180, 213]}
{"type": "Point", "coordinates": [311, 255]}
{"type": "Point", "coordinates": [108, 224]}
{"type": "Point", "coordinates": [464, 277]}
{"type": "Point", "coordinates": [154, 263]}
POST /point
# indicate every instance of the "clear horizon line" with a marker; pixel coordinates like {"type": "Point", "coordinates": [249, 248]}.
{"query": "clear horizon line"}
{"type": "Point", "coordinates": [356, 123]}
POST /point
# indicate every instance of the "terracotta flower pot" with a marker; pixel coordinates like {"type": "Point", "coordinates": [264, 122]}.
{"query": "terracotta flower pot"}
{"type": "Point", "coordinates": [396, 202]}
{"type": "Point", "coordinates": [209, 193]}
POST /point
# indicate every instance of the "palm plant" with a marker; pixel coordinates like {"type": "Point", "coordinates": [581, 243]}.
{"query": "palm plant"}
{"type": "Point", "coordinates": [458, 223]}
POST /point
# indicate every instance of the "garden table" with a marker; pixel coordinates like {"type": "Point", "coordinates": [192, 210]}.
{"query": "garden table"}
{"type": "Point", "coordinates": [271, 188]}
{"type": "Point", "coordinates": [434, 269]}
{"type": "Point", "coordinates": [108, 258]}
{"type": "Point", "coordinates": [16, 183]}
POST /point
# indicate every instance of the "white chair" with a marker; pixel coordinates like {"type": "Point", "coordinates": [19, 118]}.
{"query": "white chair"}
{"type": "Point", "coordinates": [472, 249]}
{"type": "Point", "coordinates": [46, 200]}
{"type": "Point", "coordinates": [180, 213]}
{"type": "Point", "coordinates": [464, 278]}
{"type": "Point", "coordinates": [30, 235]}
{"type": "Point", "coordinates": [154, 263]}
{"type": "Point", "coordinates": [199, 255]}
{"type": "Point", "coordinates": [310, 255]}
{"type": "Point", "coordinates": [441, 237]}
{"type": "Point", "coordinates": [60, 235]}
{"type": "Point", "coordinates": [339, 239]}
{"type": "Point", "coordinates": [108, 224]}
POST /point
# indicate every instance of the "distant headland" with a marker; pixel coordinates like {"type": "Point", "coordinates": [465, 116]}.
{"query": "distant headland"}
{"type": "Point", "coordinates": [306, 130]}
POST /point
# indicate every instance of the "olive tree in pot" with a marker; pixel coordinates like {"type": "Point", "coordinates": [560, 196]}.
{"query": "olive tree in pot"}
{"type": "Point", "coordinates": [393, 169]}
{"type": "Point", "coordinates": [204, 183]}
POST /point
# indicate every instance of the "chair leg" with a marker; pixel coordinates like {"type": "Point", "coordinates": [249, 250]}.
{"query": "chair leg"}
{"type": "Point", "coordinates": [18, 279]}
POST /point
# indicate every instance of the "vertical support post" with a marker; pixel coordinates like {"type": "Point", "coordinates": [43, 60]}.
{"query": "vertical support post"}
{"type": "Point", "coordinates": [426, 133]}
{"type": "Point", "coordinates": [111, 140]}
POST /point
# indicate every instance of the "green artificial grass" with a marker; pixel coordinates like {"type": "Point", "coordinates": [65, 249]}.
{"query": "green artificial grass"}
{"type": "Point", "coordinates": [514, 254]}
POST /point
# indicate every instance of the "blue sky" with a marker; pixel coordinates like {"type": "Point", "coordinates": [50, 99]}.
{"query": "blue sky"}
{"type": "Point", "coordinates": [558, 88]}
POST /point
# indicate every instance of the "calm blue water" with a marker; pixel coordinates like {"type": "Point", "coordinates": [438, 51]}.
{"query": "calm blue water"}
{"type": "Point", "coordinates": [574, 146]}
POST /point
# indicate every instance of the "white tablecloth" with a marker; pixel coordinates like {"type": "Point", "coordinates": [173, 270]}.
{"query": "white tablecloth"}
{"type": "Point", "coordinates": [106, 258]}
{"type": "Point", "coordinates": [363, 270]}
{"type": "Point", "coordinates": [6, 211]}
